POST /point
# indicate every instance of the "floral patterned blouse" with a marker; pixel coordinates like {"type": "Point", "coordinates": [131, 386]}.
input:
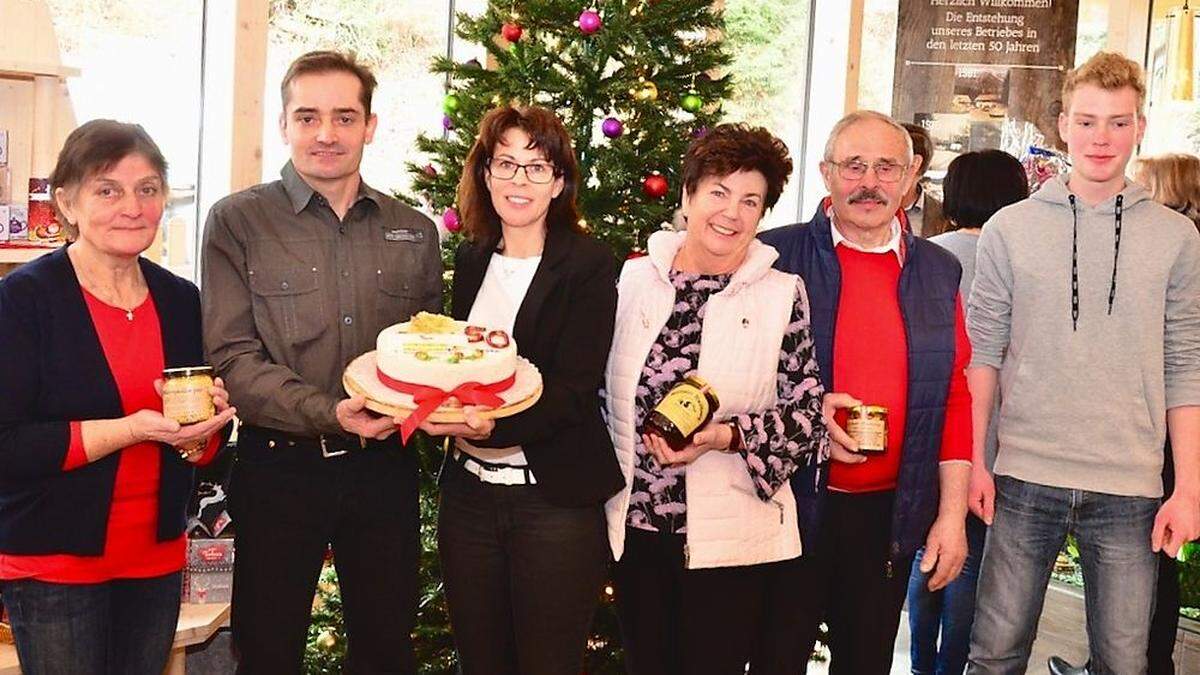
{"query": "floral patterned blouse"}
{"type": "Point", "coordinates": [774, 442]}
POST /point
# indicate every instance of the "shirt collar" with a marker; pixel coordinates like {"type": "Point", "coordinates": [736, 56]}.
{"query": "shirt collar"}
{"type": "Point", "coordinates": [301, 193]}
{"type": "Point", "coordinates": [893, 244]}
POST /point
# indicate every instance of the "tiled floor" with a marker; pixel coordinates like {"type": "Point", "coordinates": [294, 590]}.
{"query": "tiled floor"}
{"type": "Point", "coordinates": [1062, 632]}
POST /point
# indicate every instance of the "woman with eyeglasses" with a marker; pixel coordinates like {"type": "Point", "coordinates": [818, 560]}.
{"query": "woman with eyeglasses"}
{"type": "Point", "coordinates": [521, 528]}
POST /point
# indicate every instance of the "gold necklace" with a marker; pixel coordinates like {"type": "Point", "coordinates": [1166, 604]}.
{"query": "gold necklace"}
{"type": "Point", "coordinates": [90, 285]}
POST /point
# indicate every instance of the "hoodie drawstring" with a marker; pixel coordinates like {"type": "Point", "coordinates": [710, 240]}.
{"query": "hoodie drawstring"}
{"type": "Point", "coordinates": [1112, 288]}
{"type": "Point", "coordinates": [1074, 264]}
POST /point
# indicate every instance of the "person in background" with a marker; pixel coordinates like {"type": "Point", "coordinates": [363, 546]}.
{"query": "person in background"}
{"type": "Point", "coordinates": [977, 185]}
{"type": "Point", "coordinates": [299, 277]}
{"type": "Point", "coordinates": [1085, 310]}
{"type": "Point", "coordinates": [94, 479]}
{"type": "Point", "coordinates": [925, 213]}
{"type": "Point", "coordinates": [705, 534]}
{"type": "Point", "coordinates": [521, 519]}
{"type": "Point", "coordinates": [888, 326]}
{"type": "Point", "coordinates": [1173, 181]}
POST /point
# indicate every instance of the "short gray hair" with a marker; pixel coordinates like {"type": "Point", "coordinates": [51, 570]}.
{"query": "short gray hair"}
{"type": "Point", "coordinates": [862, 116]}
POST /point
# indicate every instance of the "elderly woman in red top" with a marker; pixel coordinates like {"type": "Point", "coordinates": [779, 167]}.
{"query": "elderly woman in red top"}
{"type": "Point", "coordinates": [94, 479]}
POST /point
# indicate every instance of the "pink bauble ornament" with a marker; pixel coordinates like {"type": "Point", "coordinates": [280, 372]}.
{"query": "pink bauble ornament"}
{"type": "Point", "coordinates": [589, 22]}
{"type": "Point", "coordinates": [450, 220]}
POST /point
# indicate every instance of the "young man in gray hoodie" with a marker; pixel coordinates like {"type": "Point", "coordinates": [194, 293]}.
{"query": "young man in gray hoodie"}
{"type": "Point", "coordinates": [1086, 308]}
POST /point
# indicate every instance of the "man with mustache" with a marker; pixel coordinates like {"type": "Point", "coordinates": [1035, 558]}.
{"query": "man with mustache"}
{"type": "Point", "coordinates": [888, 324]}
{"type": "Point", "coordinates": [299, 277]}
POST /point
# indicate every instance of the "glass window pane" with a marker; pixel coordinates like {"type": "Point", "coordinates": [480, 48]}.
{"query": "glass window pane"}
{"type": "Point", "coordinates": [1171, 125]}
{"type": "Point", "coordinates": [769, 44]}
{"type": "Point", "coordinates": [398, 40]}
{"type": "Point", "coordinates": [140, 62]}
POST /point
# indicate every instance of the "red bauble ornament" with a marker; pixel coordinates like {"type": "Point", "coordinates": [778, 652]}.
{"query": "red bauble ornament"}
{"type": "Point", "coordinates": [655, 186]}
{"type": "Point", "coordinates": [512, 31]}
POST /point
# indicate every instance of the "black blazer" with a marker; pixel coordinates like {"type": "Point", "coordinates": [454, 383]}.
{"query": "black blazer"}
{"type": "Point", "coordinates": [565, 327]}
{"type": "Point", "coordinates": [54, 371]}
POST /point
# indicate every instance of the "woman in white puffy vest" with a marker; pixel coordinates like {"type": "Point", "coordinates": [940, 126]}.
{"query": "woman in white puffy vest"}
{"type": "Point", "coordinates": [705, 536]}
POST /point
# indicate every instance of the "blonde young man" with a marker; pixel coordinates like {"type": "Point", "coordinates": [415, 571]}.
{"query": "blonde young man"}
{"type": "Point", "coordinates": [1086, 308]}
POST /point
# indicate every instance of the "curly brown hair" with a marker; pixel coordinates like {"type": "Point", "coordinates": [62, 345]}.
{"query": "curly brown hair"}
{"type": "Point", "coordinates": [729, 148]}
{"type": "Point", "coordinates": [546, 132]}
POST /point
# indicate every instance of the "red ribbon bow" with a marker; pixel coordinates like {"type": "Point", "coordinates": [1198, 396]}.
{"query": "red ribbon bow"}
{"type": "Point", "coordinates": [429, 399]}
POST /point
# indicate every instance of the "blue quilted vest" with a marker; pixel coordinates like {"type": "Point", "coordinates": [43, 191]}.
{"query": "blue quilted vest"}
{"type": "Point", "coordinates": [928, 289]}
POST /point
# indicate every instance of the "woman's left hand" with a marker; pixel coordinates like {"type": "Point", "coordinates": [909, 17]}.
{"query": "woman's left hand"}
{"type": "Point", "coordinates": [714, 436]}
{"type": "Point", "coordinates": [475, 428]}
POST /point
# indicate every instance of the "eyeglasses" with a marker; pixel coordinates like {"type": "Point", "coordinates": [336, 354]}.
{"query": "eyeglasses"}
{"type": "Point", "coordinates": [853, 169]}
{"type": "Point", "coordinates": [536, 172]}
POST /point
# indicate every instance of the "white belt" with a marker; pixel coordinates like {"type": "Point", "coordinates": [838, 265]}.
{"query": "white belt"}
{"type": "Point", "coordinates": [498, 474]}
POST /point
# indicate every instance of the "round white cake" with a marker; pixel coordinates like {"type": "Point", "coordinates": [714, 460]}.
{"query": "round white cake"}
{"type": "Point", "coordinates": [436, 351]}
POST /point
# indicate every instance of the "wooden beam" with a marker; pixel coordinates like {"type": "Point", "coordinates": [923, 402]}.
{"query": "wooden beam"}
{"type": "Point", "coordinates": [854, 55]}
{"type": "Point", "coordinates": [250, 64]}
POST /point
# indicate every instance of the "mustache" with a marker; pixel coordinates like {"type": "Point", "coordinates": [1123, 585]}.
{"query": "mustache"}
{"type": "Point", "coordinates": [867, 195]}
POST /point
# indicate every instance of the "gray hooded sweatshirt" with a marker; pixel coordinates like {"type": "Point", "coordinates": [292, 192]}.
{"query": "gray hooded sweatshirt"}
{"type": "Point", "coordinates": [1084, 397]}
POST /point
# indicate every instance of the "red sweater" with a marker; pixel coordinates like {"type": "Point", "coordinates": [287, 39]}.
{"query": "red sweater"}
{"type": "Point", "coordinates": [134, 353]}
{"type": "Point", "coordinates": [870, 362]}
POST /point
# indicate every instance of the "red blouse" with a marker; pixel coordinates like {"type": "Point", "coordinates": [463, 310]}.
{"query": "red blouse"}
{"type": "Point", "coordinates": [134, 351]}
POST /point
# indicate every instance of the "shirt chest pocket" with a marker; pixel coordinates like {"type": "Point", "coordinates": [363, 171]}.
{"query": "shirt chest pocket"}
{"type": "Point", "coordinates": [288, 303]}
{"type": "Point", "coordinates": [402, 277]}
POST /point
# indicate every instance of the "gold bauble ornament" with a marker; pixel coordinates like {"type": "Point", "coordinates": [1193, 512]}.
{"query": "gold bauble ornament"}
{"type": "Point", "coordinates": [645, 91]}
{"type": "Point", "coordinates": [326, 640]}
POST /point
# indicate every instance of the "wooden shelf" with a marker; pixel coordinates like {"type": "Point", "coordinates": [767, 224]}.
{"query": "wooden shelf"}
{"type": "Point", "coordinates": [22, 254]}
{"type": "Point", "coordinates": [26, 69]}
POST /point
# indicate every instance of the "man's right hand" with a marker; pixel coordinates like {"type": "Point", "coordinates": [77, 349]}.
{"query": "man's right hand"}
{"type": "Point", "coordinates": [354, 417]}
{"type": "Point", "coordinates": [982, 495]}
{"type": "Point", "coordinates": [842, 448]}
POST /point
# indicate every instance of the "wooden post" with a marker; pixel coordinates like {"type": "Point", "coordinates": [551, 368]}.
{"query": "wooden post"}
{"type": "Point", "coordinates": [250, 64]}
{"type": "Point", "coordinates": [854, 54]}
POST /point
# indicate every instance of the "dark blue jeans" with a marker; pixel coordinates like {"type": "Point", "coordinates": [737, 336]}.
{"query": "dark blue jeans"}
{"type": "Point", "coordinates": [949, 611]}
{"type": "Point", "coordinates": [1119, 573]}
{"type": "Point", "coordinates": [121, 627]}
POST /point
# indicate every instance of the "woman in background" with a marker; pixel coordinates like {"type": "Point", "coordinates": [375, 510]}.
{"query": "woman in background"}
{"type": "Point", "coordinates": [977, 185]}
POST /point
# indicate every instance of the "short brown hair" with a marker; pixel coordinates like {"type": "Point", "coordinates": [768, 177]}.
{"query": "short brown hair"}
{"type": "Point", "coordinates": [922, 143]}
{"type": "Point", "coordinates": [1173, 180]}
{"type": "Point", "coordinates": [729, 148]}
{"type": "Point", "coordinates": [1109, 71]}
{"type": "Point", "coordinates": [95, 147]}
{"type": "Point", "coordinates": [318, 62]}
{"type": "Point", "coordinates": [546, 132]}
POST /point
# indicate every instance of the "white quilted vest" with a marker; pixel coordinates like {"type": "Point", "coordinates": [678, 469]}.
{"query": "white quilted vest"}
{"type": "Point", "coordinates": [727, 523]}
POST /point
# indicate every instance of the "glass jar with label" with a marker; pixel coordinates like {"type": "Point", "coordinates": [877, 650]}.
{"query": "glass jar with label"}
{"type": "Point", "coordinates": [186, 396]}
{"type": "Point", "coordinates": [867, 424]}
{"type": "Point", "coordinates": [683, 411]}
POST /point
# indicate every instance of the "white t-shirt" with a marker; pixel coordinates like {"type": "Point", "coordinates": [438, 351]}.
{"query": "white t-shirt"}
{"type": "Point", "coordinates": [500, 296]}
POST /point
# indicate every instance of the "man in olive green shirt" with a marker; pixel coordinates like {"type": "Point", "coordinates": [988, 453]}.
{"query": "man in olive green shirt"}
{"type": "Point", "coordinates": [299, 276]}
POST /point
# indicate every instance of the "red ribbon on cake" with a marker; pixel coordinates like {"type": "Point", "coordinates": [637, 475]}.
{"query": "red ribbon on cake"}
{"type": "Point", "coordinates": [429, 399]}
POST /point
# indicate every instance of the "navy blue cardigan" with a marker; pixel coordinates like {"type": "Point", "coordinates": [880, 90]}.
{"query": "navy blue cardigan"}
{"type": "Point", "coordinates": [928, 294]}
{"type": "Point", "coordinates": [54, 371]}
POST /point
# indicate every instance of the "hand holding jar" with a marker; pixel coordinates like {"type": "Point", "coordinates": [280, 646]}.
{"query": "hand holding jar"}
{"type": "Point", "coordinates": [195, 406]}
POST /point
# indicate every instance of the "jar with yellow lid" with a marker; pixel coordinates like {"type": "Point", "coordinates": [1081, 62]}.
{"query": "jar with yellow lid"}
{"type": "Point", "coordinates": [186, 395]}
{"type": "Point", "coordinates": [867, 424]}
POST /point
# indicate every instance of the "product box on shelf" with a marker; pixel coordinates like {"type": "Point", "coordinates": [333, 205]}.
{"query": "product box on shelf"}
{"type": "Point", "coordinates": [18, 223]}
{"type": "Point", "coordinates": [208, 575]}
{"type": "Point", "coordinates": [3, 223]}
{"type": "Point", "coordinates": [43, 225]}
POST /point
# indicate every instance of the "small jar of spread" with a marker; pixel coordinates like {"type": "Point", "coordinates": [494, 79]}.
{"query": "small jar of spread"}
{"type": "Point", "coordinates": [185, 394]}
{"type": "Point", "coordinates": [867, 424]}
{"type": "Point", "coordinates": [685, 409]}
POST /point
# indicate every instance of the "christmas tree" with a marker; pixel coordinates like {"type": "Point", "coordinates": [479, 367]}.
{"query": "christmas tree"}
{"type": "Point", "coordinates": [634, 81]}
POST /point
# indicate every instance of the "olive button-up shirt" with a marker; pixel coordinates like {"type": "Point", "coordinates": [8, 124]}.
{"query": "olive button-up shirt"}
{"type": "Point", "coordinates": [291, 294]}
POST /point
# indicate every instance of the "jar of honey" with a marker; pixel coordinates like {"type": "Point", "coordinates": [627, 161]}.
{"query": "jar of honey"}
{"type": "Point", "coordinates": [186, 398]}
{"type": "Point", "coordinates": [867, 424]}
{"type": "Point", "coordinates": [685, 409]}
